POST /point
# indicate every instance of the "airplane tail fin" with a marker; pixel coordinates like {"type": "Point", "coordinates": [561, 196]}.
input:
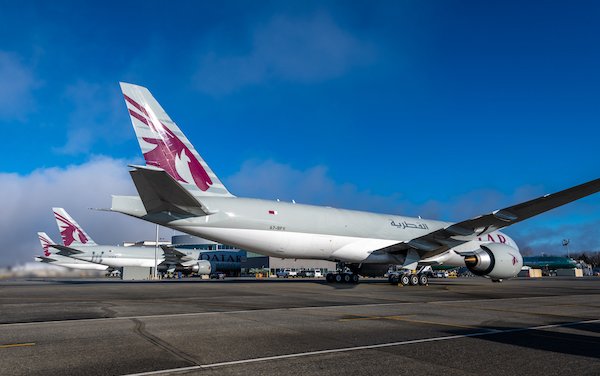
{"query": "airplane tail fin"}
{"type": "Point", "coordinates": [165, 146]}
{"type": "Point", "coordinates": [72, 234]}
{"type": "Point", "coordinates": [46, 243]}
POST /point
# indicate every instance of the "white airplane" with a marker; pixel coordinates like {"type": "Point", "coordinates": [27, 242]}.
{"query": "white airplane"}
{"type": "Point", "coordinates": [178, 189]}
{"type": "Point", "coordinates": [51, 257]}
{"type": "Point", "coordinates": [79, 245]}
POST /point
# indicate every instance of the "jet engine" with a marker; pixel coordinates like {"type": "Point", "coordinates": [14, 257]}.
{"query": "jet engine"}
{"type": "Point", "coordinates": [495, 261]}
{"type": "Point", "coordinates": [200, 267]}
{"type": "Point", "coordinates": [203, 267]}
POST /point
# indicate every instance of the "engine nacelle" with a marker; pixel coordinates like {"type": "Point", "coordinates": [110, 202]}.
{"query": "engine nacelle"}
{"type": "Point", "coordinates": [496, 261]}
{"type": "Point", "coordinates": [203, 267]}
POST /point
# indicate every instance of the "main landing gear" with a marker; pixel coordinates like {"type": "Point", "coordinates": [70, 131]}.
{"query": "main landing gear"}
{"type": "Point", "coordinates": [408, 278]}
{"type": "Point", "coordinates": [342, 275]}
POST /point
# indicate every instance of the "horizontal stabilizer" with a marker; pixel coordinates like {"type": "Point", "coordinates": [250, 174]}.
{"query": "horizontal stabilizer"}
{"type": "Point", "coordinates": [45, 259]}
{"type": "Point", "coordinates": [64, 250]}
{"type": "Point", "coordinates": [159, 192]}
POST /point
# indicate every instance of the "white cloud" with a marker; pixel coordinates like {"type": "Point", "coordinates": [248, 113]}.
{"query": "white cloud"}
{"type": "Point", "coordinates": [28, 199]}
{"type": "Point", "coordinates": [291, 49]}
{"type": "Point", "coordinates": [17, 83]}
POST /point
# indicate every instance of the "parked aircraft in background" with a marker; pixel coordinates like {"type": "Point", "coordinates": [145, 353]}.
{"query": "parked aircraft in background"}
{"type": "Point", "coordinates": [177, 189]}
{"type": "Point", "coordinates": [549, 262]}
{"type": "Point", "coordinates": [51, 257]}
{"type": "Point", "coordinates": [79, 245]}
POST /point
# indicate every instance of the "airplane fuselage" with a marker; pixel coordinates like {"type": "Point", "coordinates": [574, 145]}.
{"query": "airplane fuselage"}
{"type": "Point", "coordinates": [71, 263]}
{"type": "Point", "coordinates": [289, 230]}
{"type": "Point", "coordinates": [118, 256]}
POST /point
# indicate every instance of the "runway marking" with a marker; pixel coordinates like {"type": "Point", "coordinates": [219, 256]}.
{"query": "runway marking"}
{"type": "Point", "coordinates": [170, 315]}
{"type": "Point", "coordinates": [366, 347]}
{"type": "Point", "coordinates": [17, 345]}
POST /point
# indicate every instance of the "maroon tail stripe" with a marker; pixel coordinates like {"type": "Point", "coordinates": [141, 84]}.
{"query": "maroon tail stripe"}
{"type": "Point", "coordinates": [64, 220]}
{"type": "Point", "coordinates": [138, 116]}
{"type": "Point", "coordinates": [136, 105]}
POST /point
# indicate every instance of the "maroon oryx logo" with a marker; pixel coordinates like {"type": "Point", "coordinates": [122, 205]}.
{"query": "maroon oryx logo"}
{"type": "Point", "coordinates": [68, 231]}
{"type": "Point", "coordinates": [170, 152]}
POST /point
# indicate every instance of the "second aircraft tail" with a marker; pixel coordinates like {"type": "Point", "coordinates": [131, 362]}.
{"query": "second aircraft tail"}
{"type": "Point", "coordinates": [72, 234]}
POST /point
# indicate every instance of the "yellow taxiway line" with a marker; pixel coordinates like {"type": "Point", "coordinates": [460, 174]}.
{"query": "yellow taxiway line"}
{"type": "Point", "coordinates": [17, 345]}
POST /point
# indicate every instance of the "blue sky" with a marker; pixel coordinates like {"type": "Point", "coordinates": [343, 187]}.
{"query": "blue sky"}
{"type": "Point", "coordinates": [441, 109]}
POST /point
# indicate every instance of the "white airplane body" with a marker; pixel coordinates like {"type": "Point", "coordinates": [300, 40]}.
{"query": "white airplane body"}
{"type": "Point", "coordinates": [177, 189]}
{"type": "Point", "coordinates": [79, 245]}
{"type": "Point", "coordinates": [51, 257]}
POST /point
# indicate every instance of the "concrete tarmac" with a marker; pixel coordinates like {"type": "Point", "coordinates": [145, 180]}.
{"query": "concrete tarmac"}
{"type": "Point", "coordinates": [547, 326]}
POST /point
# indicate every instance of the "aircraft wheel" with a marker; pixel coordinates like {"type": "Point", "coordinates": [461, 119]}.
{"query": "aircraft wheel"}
{"type": "Point", "coordinates": [354, 278]}
{"type": "Point", "coordinates": [414, 279]}
{"type": "Point", "coordinates": [423, 280]}
{"type": "Point", "coordinates": [347, 278]}
{"type": "Point", "coordinates": [338, 278]}
{"type": "Point", "coordinates": [394, 279]}
{"type": "Point", "coordinates": [404, 280]}
{"type": "Point", "coordinates": [497, 280]}
{"type": "Point", "coordinates": [330, 278]}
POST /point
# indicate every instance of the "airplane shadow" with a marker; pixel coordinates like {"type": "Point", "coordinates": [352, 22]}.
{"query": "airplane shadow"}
{"type": "Point", "coordinates": [579, 344]}
{"type": "Point", "coordinates": [342, 286]}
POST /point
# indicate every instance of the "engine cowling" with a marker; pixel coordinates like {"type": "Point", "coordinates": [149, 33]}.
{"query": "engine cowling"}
{"type": "Point", "coordinates": [496, 261]}
{"type": "Point", "coordinates": [203, 267]}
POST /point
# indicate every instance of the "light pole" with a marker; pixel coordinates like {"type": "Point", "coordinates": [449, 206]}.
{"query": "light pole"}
{"type": "Point", "coordinates": [155, 274]}
{"type": "Point", "coordinates": [565, 243]}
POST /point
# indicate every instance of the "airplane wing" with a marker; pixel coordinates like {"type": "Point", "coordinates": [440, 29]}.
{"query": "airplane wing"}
{"type": "Point", "coordinates": [159, 192]}
{"type": "Point", "coordinates": [175, 256]}
{"type": "Point", "coordinates": [441, 240]}
{"type": "Point", "coordinates": [64, 250]}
